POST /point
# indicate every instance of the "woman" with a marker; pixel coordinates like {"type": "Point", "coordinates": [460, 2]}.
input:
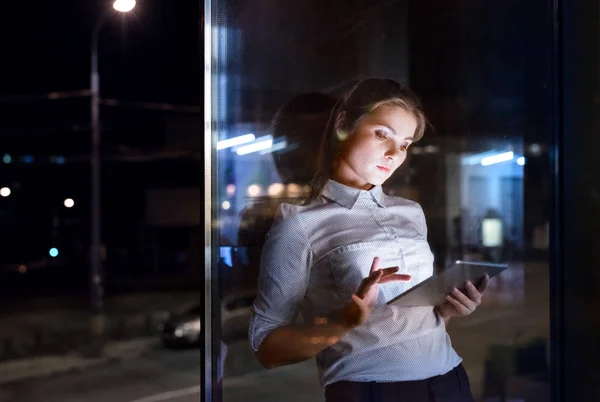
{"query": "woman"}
{"type": "Point", "coordinates": [324, 260]}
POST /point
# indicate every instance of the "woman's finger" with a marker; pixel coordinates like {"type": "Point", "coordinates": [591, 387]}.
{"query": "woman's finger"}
{"type": "Point", "coordinates": [374, 265]}
{"type": "Point", "coordinates": [395, 278]}
{"type": "Point", "coordinates": [464, 300]}
{"type": "Point", "coordinates": [367, 283]}
{"type": "Point", "coordinates": [389, 271]}
{"type": "Point", "coordinates": [483, 284]}
{"type": "Point", "coordinates": [460, 308]}
{"type": "Point", "coordinates": [473, 293]}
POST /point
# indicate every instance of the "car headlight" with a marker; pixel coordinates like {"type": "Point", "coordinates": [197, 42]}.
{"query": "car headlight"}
{"type": "Point", "coordinates": [190, 327]}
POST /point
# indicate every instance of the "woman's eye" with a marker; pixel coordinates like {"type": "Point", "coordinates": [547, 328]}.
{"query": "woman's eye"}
{"type": "Point", "coordinates": [380, 134]}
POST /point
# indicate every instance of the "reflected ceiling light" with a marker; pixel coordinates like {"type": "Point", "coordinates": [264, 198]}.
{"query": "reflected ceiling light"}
{"type": "Point", "coordinates": [5, 191]}
{"type": "Point", "coordinates": [276, 189]}
{"type": "Point", "coordinates": [124, 6]}
{"type": "Point", "coordinates": [69, 203]}
{"type": "Point", "coordinates": [226, 205]}
{"type": "Point", "coordinates": [230, 189]}
{"type": "Point", "coordinates": [235, 141]}
{"type": "Point", "coordinates": [498, 158]}
{"type": "Point", "coordinates": [294, 190]}
{"type": "Point", "coordinates": [262, 143]}
{"type": "Point", "coordinates": [254, 190]}
{"type": "Point", "coordinates": [521, 161]}
{"type": "Point", "coordinates": [278, 146]}
{"type": "Point", "coordinates": [53, 252]}
{"type": "Point", "coordinates": [475, 159]}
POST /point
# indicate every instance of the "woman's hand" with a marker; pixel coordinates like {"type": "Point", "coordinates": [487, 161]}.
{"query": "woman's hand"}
{"type": "Point", "coordinates": [459, 304]}
{"type": "Point", "coordinates": [365, 299]}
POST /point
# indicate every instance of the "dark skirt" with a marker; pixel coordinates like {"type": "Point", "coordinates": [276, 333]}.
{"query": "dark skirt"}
{"type": "Point", "coordinates": [451, 387]}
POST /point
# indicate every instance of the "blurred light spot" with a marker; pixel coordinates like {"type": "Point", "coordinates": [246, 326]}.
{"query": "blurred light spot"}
{"type": "Point", "coordinates": [294, 190]}
{"type": "Point", "coordinates": [535, 149]}
{"type": "Point", "coordinates": [230, 189]}
{"type": "Point", "coordinates": [69, 203]}
{"type": "Point", "coordinates": [276, 189]}
{"type": "Point", "coordinates": [226, 205]}
{"type": "Point", "coordinates": [5, 191]}
{"type": "Point", "coordinates": [254, 190]}
{"type": "Point", "coordinates": [53, 252]}
{"type": "Point", "coordinates": [491, 229]}
{"type": "Point", "coordinates": [416, 150]}
{"type": "Point", "coordinates": [431, 149]}
{"type": "Point", "coordinates": [7, 158]}
{"type": "Point", "coordinates": [60, 160]}
{"type": "Point", "coordinates": [22, 269]}
{"type": "Point", "coordinates": [28, 159]}
{"type": "Point", "coordinates": [315, 340]}
{"type": "Point", "coordinates": [521, 161]}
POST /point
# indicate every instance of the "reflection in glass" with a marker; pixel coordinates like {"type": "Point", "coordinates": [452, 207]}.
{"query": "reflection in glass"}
{"type": "Point", "coordinates": [479, 173]}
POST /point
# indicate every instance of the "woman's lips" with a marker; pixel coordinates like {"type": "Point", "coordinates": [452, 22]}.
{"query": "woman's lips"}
{"type": "Point", "coordinates": [384, 168]}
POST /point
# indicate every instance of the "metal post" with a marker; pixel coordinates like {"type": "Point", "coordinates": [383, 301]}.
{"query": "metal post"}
{"type": "Point", "coordinates": [96, 270]}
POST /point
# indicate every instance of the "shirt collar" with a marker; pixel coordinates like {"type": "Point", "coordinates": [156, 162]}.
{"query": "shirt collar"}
{"type": "Point", "coordinates": [347, 196]}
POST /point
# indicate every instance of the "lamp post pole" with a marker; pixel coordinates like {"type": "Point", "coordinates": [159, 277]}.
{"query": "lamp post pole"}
{"type": "Point", "coordinates": [96, 269]}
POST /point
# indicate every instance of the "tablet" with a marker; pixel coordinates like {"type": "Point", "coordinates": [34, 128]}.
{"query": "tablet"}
{"type": "Point", "coordinates": [432, 291]}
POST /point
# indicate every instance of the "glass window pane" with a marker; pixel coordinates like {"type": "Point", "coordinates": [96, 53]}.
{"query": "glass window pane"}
{"type": "Point", "coordinates": [483, 72]}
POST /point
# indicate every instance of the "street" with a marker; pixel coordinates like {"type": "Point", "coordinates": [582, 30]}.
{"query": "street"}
{"type": "Point", "coordinates": [174, 375]}
{"type": "Point", "coordinates": [157, 372]}
{"type": "Point", "coordinates": [170, 375]}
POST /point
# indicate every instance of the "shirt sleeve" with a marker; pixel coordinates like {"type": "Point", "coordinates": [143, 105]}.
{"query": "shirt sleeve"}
{"type": "Point", "coordinates": [284, 272]}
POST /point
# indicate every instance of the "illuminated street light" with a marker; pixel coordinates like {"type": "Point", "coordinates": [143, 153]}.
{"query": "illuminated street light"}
{"type": "Point", "coordinates": [124, 6]}
{"type": "Point", "coordinates": [69, 203]}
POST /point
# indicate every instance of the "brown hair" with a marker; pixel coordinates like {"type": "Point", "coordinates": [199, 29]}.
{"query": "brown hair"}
{"type": "Point", "coordinates": [367, 96]}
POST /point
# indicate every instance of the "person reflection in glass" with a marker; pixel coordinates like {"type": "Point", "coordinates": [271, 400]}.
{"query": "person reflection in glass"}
{"type": "Point", "coordinates": [299, 122]}
{"type": "Point", "coordinates": [339, 257]}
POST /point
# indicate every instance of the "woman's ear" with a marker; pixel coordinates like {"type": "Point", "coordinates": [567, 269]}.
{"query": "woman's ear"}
{"type": "Point", "coordinates": [340, 132]}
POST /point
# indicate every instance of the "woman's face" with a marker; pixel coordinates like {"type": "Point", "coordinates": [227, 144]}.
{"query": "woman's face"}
{"type": "Point", "coordinates": [376, 148]}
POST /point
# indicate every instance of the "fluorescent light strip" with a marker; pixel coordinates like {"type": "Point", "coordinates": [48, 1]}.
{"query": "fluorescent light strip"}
{"type": "Point", "coordinates": [476, 159]}
{"type": "Point", "coordinates": [264, 143]}
{"type": "Point", "coordinates": [503, 157]}
{"type": "Point", "coordinates": [278, 146]}
{"type": "Point", "coordinates": [235, 141]}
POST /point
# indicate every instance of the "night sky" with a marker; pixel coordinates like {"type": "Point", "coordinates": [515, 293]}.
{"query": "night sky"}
{"type": "Point", "coordinates": [151, 54]}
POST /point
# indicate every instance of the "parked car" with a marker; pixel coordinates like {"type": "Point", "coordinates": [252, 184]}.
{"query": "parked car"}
{"type": "Point", "coordinates": [185, 328]}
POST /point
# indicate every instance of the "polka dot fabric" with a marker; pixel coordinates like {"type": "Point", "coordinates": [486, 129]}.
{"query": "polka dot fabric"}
{"type": "Point", "coordinates": [315, 257]}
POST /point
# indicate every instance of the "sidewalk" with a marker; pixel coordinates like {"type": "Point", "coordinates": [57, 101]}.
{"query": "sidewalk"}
{"type": "Point", "coordinates": [60, 326]}
{"type": "Point", "coordinates": [27, 369]}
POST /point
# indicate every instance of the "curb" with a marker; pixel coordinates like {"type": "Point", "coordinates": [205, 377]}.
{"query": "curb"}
{"type": "Point", "coordinates": [41, 367]}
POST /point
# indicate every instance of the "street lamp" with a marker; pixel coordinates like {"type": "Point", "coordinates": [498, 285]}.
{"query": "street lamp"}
{"type": "Point", "coordinates": [124, 6]}
{"type": "Point", "coordinates": [95, 249]}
